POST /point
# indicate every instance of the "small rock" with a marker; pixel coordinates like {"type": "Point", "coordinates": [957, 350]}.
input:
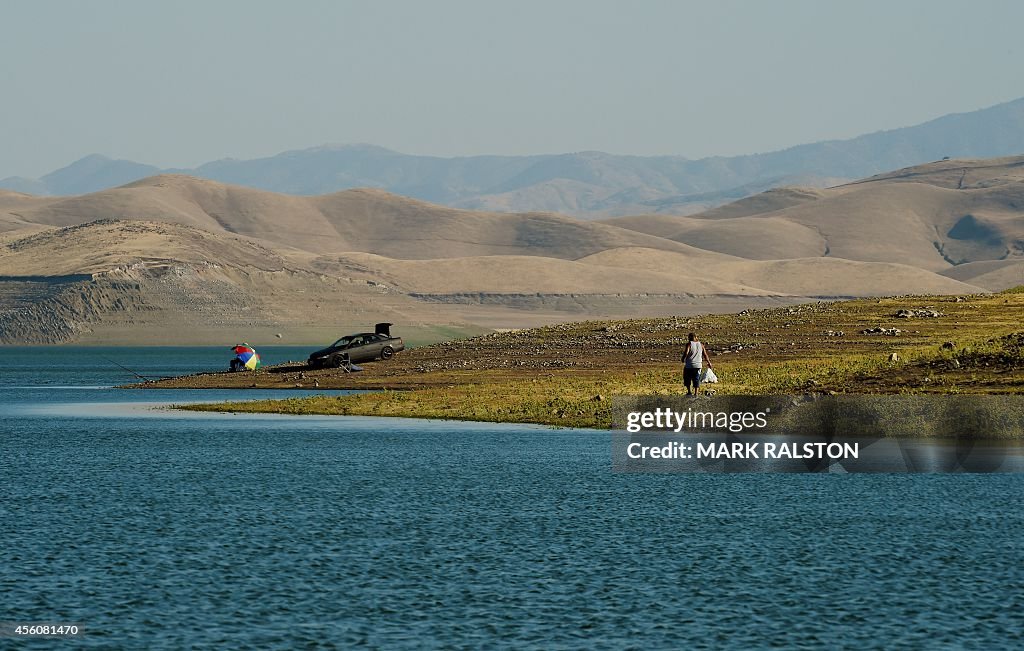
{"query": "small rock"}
{"type": "Point", "coordinates": [879, 330]}
{"type": "Point", "coordinates": [924, 313]}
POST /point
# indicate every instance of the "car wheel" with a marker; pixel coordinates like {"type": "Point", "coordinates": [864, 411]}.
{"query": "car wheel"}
{"type": "Point", "coordinates": [338, 361]}
{"type": "Point", "coordinates": [387, 352]}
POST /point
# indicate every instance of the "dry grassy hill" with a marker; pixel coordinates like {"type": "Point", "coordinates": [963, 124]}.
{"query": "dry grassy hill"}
{"type": "Point", "coordinates": [363, 220]}
{"type": "Point", "coordinates": [818, 277]}
{"type": "Point", "coordinates": [125, 281]}
{"type": "Point", "coordinates": [313, 264]}
{"type": "Point", "coordinates": [516, 274]}
{"type": "Point", "coordinates": [109, 245]}
{"type": "Point", "coordinates": [935, 217]}
{"type": "Point", "coordinates": [993, 275]}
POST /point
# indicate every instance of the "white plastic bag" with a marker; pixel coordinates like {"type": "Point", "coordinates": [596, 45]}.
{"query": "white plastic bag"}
{"type": "Point", "coordinates": [709, 377]}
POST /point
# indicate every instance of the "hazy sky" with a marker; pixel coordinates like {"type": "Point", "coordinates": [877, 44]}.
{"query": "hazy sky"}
{"type": "Point", "coordinates": [180, 83]}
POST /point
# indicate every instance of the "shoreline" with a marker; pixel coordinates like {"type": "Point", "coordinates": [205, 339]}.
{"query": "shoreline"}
{"type": "Point", "coordinates": [184, 410]}
{"type": "Point", "coordinates": [899, 417]}
{"type": "Point", "coordinates": [564, 375]}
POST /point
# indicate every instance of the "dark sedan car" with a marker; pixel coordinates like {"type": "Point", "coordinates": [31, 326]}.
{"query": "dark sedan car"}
{"type": "Point", "coordinates": [361, 347]}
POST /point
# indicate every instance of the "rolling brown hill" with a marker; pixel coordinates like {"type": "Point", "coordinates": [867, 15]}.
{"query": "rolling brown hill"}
{"type": "Point", "coordinates": [109, 245]}
{"type": "Point", "coordinates": [801, 276]}
{"type": "Point", "coordinates": [517, 274]}
{"type": "Point", "coordinates": [935, 217]}
{"type": "Point", "coordinates": [364, 220]}
{"type": "Point", "coordinates": [131, 281]}
{"type": "Point", "coordinates": [209, 261]}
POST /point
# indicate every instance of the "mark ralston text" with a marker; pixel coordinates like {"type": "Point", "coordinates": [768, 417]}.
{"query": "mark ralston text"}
{"type": "Point", "coordinates": [745, 450]}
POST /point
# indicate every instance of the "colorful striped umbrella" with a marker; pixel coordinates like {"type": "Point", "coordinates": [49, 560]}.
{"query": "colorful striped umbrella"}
{"type": "Point", "coordinates": [249, 357]}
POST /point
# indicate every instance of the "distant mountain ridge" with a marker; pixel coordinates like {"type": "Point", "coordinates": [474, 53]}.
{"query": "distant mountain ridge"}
{"type": "Point", "coordinates": [593, 184]}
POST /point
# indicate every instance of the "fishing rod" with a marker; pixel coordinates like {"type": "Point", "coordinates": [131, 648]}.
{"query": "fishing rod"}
{"type": "Point", "coordinates": [125, 368]}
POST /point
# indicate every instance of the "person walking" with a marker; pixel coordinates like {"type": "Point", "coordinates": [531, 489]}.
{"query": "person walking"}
{"type": "Point", "coordinates": [694, 358]}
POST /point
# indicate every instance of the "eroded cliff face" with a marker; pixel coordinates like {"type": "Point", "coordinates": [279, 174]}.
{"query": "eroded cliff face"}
{"type": "Point", "coordinates": [58, 310]}
{"type": "Point", "coordinates": [63, 309]}
{"type": "Point", "coordinates": [176, 303]}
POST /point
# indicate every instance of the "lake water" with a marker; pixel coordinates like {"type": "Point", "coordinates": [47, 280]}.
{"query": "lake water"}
{"type": "Point", "coordinates": [164, 530]}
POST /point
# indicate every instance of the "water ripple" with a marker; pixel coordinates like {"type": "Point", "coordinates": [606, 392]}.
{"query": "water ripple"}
{"type": "Point", "coordinates": [202, 533]}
